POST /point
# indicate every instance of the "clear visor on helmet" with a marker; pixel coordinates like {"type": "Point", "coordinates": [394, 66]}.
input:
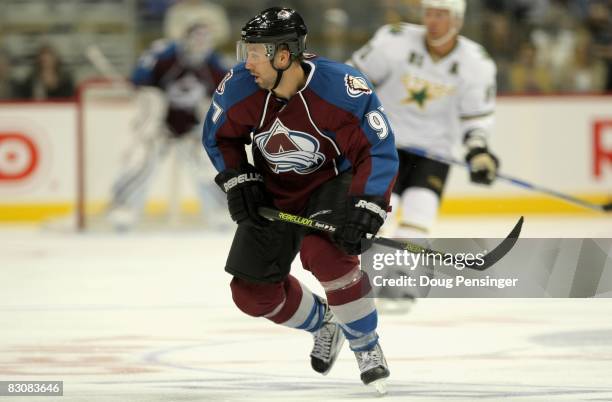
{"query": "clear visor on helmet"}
{"type": "Point", "coordinates": [254, 52]}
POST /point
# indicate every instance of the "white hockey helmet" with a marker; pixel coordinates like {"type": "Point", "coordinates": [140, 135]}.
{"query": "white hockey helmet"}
{"type": "Point", "coordinates": [184, 16]}
{"type": "Point", "coordinates": [457, 12]}
{"type": "Point", "coordinates": [456, 7]}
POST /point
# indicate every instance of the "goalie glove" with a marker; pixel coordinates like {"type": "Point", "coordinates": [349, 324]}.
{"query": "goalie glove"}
{"type": "Point", "coordinates": [245, 194]}
{"type": "Point", "coordinates": [365, 215]}
{"type": "Point", "coordinates": [483, 165]}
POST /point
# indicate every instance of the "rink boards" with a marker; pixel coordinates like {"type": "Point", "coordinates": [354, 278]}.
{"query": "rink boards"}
{"type": "Point", "coordinates": [564, 143]}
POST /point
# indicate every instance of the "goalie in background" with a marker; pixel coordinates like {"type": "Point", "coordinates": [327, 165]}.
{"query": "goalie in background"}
{"type": "Point", "coordinates": [438, 89]}
{"type": "Point", "coordinates": [175, 80]}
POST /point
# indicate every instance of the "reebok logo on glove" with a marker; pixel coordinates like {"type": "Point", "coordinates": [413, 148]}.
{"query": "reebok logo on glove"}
{"type": "Point", "coordinates": [372, 207]}
{"type": "Point", "coordinates": [240, 179]}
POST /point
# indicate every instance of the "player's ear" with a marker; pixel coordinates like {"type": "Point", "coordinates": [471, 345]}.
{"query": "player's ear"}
{"type": "Point", "coordinates": [283, 57]}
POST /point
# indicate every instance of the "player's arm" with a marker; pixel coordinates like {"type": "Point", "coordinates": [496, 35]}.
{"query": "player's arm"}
{"type": "Point", "coordinates": [151, 102]}
{"type": "Point", "coordinates": [476, 112]}
{"type": "Point", "coordinates": [367, 141]}
{"type": "Point", "coordinates": [371, 58]}
{"type": "Point", "coordinates": [225, 135]}
{"type": "Point", "coordinates": [224, 139]}
{"type": "Point", "coordinates": [144, 72]}
{"type": "Point", "coordinates": [227, 126]}
{"type": "Point", "coordinates": [369, 144]}
{"type": "Point", "coordinates": [218, 69]}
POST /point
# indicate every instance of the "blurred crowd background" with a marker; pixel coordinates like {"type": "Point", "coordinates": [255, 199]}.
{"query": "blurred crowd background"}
{"type": "Point", "coordinates": [540, 46]}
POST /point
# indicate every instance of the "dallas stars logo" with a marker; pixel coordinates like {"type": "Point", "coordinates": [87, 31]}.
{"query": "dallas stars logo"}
{"type": "Point", "coordinates": [421, 91]}
{"type": "Point", "coordinates": [396, 28]}
{"type": "Point", "coordinates": [420, 97]}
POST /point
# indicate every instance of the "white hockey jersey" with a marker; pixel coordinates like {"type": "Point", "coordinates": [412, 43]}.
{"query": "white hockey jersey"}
{"type": "Point", "coordinates": [431, 104]}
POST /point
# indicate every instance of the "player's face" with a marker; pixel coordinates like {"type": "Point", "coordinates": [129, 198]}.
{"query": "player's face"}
{"type": "Point", "coordinates": [258, 64]}
{"type": "Point", "coordinates": [198, 42]}
{"type": "Point", "coordinates": [437, 21]}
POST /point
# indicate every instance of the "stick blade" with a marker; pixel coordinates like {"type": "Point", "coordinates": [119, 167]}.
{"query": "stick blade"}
{"type": "Point", "coordinates": [502, 248]}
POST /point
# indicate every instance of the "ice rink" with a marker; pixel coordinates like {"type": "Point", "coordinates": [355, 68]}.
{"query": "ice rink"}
{"type": "Point", "coordinates": [149, 317]}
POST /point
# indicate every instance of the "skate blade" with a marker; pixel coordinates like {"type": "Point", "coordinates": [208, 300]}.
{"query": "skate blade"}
{"type": "Point", "coordinates": [380, 386]}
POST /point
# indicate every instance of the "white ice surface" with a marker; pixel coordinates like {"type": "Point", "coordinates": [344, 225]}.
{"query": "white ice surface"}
{"type": "Point", "coordinates": [149, 317]}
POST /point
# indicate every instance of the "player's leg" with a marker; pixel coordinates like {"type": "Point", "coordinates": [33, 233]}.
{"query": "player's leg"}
{"type": "Point", "coordinates": [287, 302]}
{"type": "Point", "coordinates": [392, 299]}
{"type": "Point", "coordinates": [347, 288]}
{"type": "Point", "coordinates": [421, 188]}
{"type": "Point", "coordinates": [260, 260]}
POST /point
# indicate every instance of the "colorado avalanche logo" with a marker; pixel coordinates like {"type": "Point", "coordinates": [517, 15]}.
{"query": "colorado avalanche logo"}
{"type": "Point", "coordinates": [356, 86]}
{"type": "Point", "coordinates": [289, 151]}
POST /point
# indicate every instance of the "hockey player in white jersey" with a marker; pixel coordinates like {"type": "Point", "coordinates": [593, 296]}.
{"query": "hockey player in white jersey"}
{"type": "Point", "coordinates": [438, 90]}
{"type": "Point", "coordinates": [175, 80]}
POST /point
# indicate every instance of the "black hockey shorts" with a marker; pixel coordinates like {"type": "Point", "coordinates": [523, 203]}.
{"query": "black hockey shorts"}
{"type": "Point", "coordinates": [417, 171]}
{"type": "Point", "coordinates": [265, 254]}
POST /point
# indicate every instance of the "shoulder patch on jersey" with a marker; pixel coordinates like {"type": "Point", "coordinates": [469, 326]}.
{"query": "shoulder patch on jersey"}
{"type": "Point", "coordinates": [356, 86]}
{"type": "Point", "coordinates": [159, 45]}
{"type": "Point", "coordinates": [396, 28]}
{"type": "Point", "coordinates": [221, 87]}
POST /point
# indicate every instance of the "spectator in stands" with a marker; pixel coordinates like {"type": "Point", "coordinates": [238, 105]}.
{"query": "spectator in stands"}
{"type": "Point", "coordinates": [584, 72]}
{"type": "Point", "coordinates": [554, 37]}
{"type": "Point", "coordinates": [501, 39]}
{"type": "Point", "coordinates": [529, 12]}
{"type": "Point", "coordinates": [6, 81]}
{"type": "Point", "coordinates": [526, 76]}
{"type": "Point", "coordinates": [599, 22]}
{"type": "Point", "coordinates": [48, 78]}
{"type": "Point", "coordinates": [335, 33]}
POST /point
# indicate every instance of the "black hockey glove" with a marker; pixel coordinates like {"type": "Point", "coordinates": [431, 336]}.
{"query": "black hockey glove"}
{"type": "Point", "coordinates": [245, 194]}
{"type": "Point", "coordinates": [483, 165]}
{"type": "Point", "coordinates": [365, 215]}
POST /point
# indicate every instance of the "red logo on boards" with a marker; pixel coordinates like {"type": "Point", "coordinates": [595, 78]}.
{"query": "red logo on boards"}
{"type": "Point", "coordinates": [19, 156]}
{"type": "Point", "coordinates": [602, 146]}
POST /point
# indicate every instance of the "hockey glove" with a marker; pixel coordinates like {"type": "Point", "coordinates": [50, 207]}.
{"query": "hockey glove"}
{"type": "Point", "coordinates": [483, 165]}
{"type": "Point", "coordinates": [365, 215]}
{"type": "Point", "coordinates": [245, 194]}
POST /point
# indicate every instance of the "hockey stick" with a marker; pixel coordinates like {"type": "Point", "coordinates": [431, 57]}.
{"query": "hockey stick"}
{"type": "Point", "coordinates": [104, 66]}
{"type": "Point", "coordinates": [489, 259]}
{"type": "Point", "coordinates": [521, 183]}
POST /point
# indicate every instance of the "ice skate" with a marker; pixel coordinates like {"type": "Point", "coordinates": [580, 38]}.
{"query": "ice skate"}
{"type": "Point", "coordinates": [328, 342]}
{"type": "Point", "coordinates": [373, 368]}
{"type": "Point", "coordinates": [122, 218]}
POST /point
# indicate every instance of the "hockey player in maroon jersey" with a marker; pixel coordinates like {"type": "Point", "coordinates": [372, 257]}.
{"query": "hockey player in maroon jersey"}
{"type": "Point", "coordinates": [321, 146]}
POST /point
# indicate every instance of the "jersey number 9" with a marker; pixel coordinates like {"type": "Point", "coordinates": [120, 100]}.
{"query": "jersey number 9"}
{"type": "Point", "coordinates": [378, 124]}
